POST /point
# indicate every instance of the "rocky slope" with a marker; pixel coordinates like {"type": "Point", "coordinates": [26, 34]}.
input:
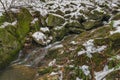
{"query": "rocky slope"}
{"type": "Point", "coordinates": [64, 40]}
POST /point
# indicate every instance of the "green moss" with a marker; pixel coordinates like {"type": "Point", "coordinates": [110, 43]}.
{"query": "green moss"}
{"type": "Point", "coordinates": [91, 24]}
{"type": "Point", "coordinates": [12, 37]}
{"type": "Point", "coordinates": [35, 27]}
{"type": "Point", "coordinates": [116, 17]}
{"type": "Point", "coordinates": [2, 19]}
{"type": "Point", "coordinates": [54, 20]}
{"type": "Point", "coordinates": [101, 41]}
{"type": "Point", "coordinates": [43, 71]}
{"type": "Point", "coordinates": [101, 32]}
{"type": "Point", "coordinates": [115, 39]}
{"type": "Point", "coordinates": [24, 18]}
{"type": "Point", "coordinates": [59, 34]}
{"type": "Point", "coordinates": [9, 47]}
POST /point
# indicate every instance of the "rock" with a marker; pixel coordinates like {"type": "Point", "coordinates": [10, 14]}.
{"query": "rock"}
{"type": "Point", "coordinates": [24, 19]}
{"type": "Point", "coordinates": [40, 38]}
{"type": "Point", "coordinates": [115, 38]}
{"type": "Point", "coordinates": [12, 37]}
{"type": "Point", "coordinates": [54, 20]}
{"type": "Point", "coordinates": [91, 24]}
{"type": "Point", "coordinates": [59, 12]}
{"type": "Point", "coordinates": [73, 23]}
{"type": "Point", "coordinates": [9, 46]}
{"type": "Point", "coordinates": [59, 32]}
{"type": "Point", "coordinates": [116, 17]}
{"type": "Point", "coordinates": [35, 25]}
{"type": "Point", "coordinates": [48, 77]}
{"type": "Point", "coordinates": [75, 30]}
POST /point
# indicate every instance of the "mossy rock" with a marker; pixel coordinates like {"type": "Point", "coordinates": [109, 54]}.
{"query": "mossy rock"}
{"type": "Point", "coordinates": [116, 17]}
{"type": "Point", "coordinates": [59, 33]}
{"type": "Point", "coordinates": [23, 26]}
{"type": "Point", "coordinates": [75, 30]}
{"type": "Point", "coordinates": [91, 24]}
{"type": "Point", "coordinates": [45, 70]}
{"type": "Point", "coordinates": [73, 23]}
{"type": "Point", "coordinates": [35, 26]}
{"type": "Point", "coordinates": [54, 20]}
{"type": "Point", "coordinates": [9, 46]}
{"type": "Point", "coordinates": [13, 37]}
{"type": "Point", "coordinates": [115, 39]}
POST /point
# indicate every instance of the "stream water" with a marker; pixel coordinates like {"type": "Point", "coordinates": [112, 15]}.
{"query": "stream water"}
{"type": "Point", "coordinates": [26, 68]}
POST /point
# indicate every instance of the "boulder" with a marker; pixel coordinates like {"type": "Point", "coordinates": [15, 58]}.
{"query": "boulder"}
{"type": "Point", "coordinates": [54, 20]}
{"type": "Point", "coordinates": [12, 36]}
{"type": "Point", "coordinates": [91, 24]}
{"type": "Point", "coordinates": [73, 23]}
{"type": "Point", "coordinates": [40, 38]}
{"type": "Point", "coordinates": [9, 46]}
{"type": "Point", "coordinates": [115, 39]}
{"type": "Point", "coordinates": [116, 17]}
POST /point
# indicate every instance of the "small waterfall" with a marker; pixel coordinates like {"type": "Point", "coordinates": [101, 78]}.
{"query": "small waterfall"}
{"type": "Point", "coordinates": [34, 57]}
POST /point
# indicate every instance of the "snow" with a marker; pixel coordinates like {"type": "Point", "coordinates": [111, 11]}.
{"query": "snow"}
{"type": "Point", "coordinates": [33, 22]}
{"type": "Point", "coordinates": [57, 46]}
{"type": "Point", "coordinates": [73, 42]}
{"type": "Point", "coordinates": [61, 75]}
{"type": "Point", "coordinates": [101, 75]}
{"type": "Point", "coordinates": [5, 24]}
{"type": "Point", "coordinates": [90, 48]}
{"type": "Point", "coordinates": [52, 63]}
{"type": "Point", "coordinates": [85, 69]}
{"type": "Point", "coordinates": [116, 25]}
{"type": "Point", "coordinates": [44, 29]}
{"type": "Point", "coordinates": [71, 66]}
{"type": "Point", "coordinates": [39, 36]}
{"type": "Point", "coordinates": [53, 73]}
{"type": "Point", "coordinates": [77, 78]}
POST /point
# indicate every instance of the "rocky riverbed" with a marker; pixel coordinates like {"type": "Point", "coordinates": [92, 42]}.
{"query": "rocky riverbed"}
{"type": "Point", "coordinates": [60, 40]}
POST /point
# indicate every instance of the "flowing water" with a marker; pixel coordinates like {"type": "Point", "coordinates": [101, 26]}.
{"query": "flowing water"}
{"type": "Point", "coordinates": [26, 68]}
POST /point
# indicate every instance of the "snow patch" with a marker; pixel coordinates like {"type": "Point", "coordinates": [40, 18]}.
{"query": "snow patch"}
{"type": "Point", "coordinates": [5, 24]}
{"type": "Point", "coordinates": [85, 69]}
{"type": "Point", "coordinates": [44, 29]}
{"type": "Point", "coordinates": [33, 22]}
{"type": "Point", "coordinates": [39, 36]}
{"type": "Point", "coordinates": [116, 24]}
{"type": "Point", "coordinates": [52, 63]}
{"type": "Point", "coordinates": [90, 48]}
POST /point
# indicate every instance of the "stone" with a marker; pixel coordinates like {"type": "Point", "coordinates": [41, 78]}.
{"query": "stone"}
{"type": "Point", "coordinates": [73, 23]}
{"type": "Point", "coordinates": [54, 20]}
{"type": "Point", "coordinates": [91, 24]}
{"type": "Point", "coordinates": [116, 17]}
